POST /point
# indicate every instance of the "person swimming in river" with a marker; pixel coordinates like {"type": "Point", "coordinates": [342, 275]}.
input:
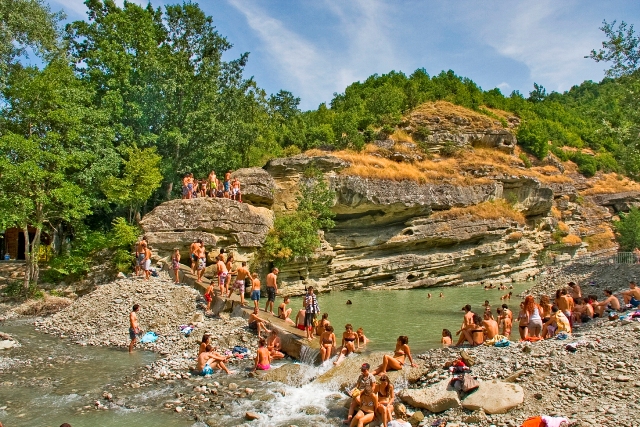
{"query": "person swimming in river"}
{"type": "Point", "coordinates": [441, 296]}
{"type": "Point", "coordinates": [349, 302]}
{"type": "Point", "coordinates": [350, 343]}
{"type": "Point", "coordinates": [447, 339]}
{"type": "Point", "coordinates": [398, 360]}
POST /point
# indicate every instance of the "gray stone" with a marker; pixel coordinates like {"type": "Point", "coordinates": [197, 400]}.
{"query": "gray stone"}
{"type": "Point", "coordinates": [437, 398]}
{"type": "Point", "coordinates": [257, 186]}
{"type": "Point", "coordinates": [494, 397]}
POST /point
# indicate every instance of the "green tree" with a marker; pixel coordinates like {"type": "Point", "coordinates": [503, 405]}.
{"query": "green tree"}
{"type": "Point", "coordinates": [622, 48]}
{"type": "Point", "coordinates": [45, 143]}
{"type": "Point", "coordinates": [139, 179]}
{"type": "Point", "coordinates": [628, 229]}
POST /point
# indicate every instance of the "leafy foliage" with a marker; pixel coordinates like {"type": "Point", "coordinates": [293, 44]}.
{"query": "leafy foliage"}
{"type": "Point", "coordinates": [628, 229]}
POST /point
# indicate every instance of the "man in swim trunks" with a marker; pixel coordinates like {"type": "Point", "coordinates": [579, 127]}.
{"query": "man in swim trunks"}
{"type": "Point", "coordinates": [242, 274]}
{"type": "Point", "coordinates": [193, 249]}
{"type": "Point", "coordinates": [235, 190]}
{"type": "Point", "coordinates": [222, 274]}
{"type": "Point", "coordinates": [202, 261]}
{"type": "Point", "coordinates": [146, 266]}
{"type": "Point", "coordinates": [255, 290]}
{"type": "Point", "coordinates": [272, 290]}
{"type": "Point", "coordinates": [300, 317]}
{"type": "Point", "coordinates": [632, 295]}
{"type": "Point", "coordinates": [208, 295]}
{"type": "Point", "coordinates": [140, 254]}
{"type": "Point", "coordinates": [227, 182]}
{"type": "Point", "coordinates": [134, 326]}
{"type": "Point", "coordinates": [263, 357]}
{"type": "Point", "coordinates": [257, 324]}
{"type": "Point", "coordinates": [575, 290]}
{"type": "Point", "coordinates": [611, 303]}
{"type": "Point", "coordinates": [311, 311]}
{"type": "Point", "coordinates": [210, 359]}
{"type": "Point", "coordinates": [489, 325]}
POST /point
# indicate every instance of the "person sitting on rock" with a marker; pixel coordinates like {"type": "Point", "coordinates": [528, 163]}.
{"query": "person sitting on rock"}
{"type": "Point", "coordinates": [206, 340]}
{"type": "Point", "coordinates": [384, 390]}
{"type": "Point", "coordinates": [263, 357]}
{"type": "Point", "coordinates": [368, 403]}
{"type": "Point", "coordinates": [327, 343]}
{"type": "Point", "coordinates": [477, 332]}
{"type": "Point", "coordinates": [210, 359]}
{"type": "Point", "coordinates": [258, 324]}
{"type": "Point", "coordinates": [350, 343]}
{"type": "Point", "coordinates": [490, 326]}
{"type": "Point", "coordinates": [366, 379]}
{"type": "Point", "coordinates": [632, 295]}
{"type": "Point", "coordinates": [575, 290]}
{"type": "Point", "coordinates": [284, 312]}
{"type": "Point", "coordinates": [610, 303]}
{"type": "Point", "coordinates": [557, 323]}
{"type": "Point", "coordinates": [274, 345]}
{"type": "Point", "coordinates": [400, 354]}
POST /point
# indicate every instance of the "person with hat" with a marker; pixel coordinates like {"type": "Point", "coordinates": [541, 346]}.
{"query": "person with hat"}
{"type": "Point", "coordinates": [365, 379]}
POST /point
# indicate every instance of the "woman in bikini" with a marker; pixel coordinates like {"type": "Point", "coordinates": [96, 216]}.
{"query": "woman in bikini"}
{"type": "Point", "coordinates": [368, 403]}
{"type": "Point", "coordinates": [385, 399]}
{"type": "Point", "coordinates": [327, 343]}
{"type": "Point", "coordinates": [523, 322]}
{"type": "Point", "coordinates": [322, 324]}
{"type": "Point", "coordinates": [477, 333]}
{"type": "Point", "coordinates": [284, 312]}
{"type": "Point", "coordinates": [350, 343]}
{"type": "Point", "coordinates": [545, 307]}
{"type": "Point", "coordinates": [395, 363]}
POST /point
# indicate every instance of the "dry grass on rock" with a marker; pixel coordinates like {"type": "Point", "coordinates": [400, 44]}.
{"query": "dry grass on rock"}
{"type": "Point", "coordinates": [43, 306]}
{"type": "Point", "coordinates": [491, 210]}
{"type": "Point", "coordinates": [610, 183]}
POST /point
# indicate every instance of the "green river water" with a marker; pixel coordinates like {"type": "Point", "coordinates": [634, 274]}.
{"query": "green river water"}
{"type": "Point", "coordinates": [55, 380]}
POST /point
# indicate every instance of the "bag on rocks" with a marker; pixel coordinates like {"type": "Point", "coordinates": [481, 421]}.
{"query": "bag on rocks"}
{"type": "Point", "coordinates": [149, 337]}
{"type": "Point", "coordinates": [239, 350]}
{"type": "Point", "coordinates": [469, 383]}
{"type": "Point", "coordinates": [468, 359]}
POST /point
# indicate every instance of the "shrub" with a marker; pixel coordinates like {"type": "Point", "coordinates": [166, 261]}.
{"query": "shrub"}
{"type": "Point", "coordinates": [604, 240]}
{"type": "Point", "coordinates": [291, 150]}
{"type": "Point", "coordinates": [628, 229]}
{"type": "Point", "coordinates": [422, 133]}
{"type": "Point", "coordinates": [525, 160]}
{"type": "Point", "coordinates": [449, 149]}
{"type": "Point", "coordinates": [532, 136]}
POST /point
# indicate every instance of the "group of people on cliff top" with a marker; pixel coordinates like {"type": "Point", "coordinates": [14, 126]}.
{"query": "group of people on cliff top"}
{"type": "Point", "coordinates": [542, 319]}
{"type": "Point", "coordinates": [211, 186]}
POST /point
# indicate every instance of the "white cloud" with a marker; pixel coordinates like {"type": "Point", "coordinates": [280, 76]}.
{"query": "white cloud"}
{"type": "Point", "coordinates": [504, 87]}
{"type": "Point", "coordinates": [551, 38]}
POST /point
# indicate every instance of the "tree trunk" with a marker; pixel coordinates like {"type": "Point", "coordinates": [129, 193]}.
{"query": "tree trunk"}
{"type": "Point", "coordinates": [169, 190]}
{"type": "Point", "coordinates": [27, 258]}
{"type": "Point", "coordinates": [35, 256]}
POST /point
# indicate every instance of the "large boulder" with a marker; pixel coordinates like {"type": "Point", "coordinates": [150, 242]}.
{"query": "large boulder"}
{"type": "Point", "coordinates": [291, 374]}
{"type": "Point", "coordinates": [257, 186]}
{"type": "Point", "coordinates": [437, 398]}
{"type": "Point", "coordinates": [494, 397]}
{"type": "Point", "coordinates": [219, 222]}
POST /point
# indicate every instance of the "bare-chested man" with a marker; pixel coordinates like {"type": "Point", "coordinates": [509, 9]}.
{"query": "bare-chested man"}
{"type": "Point", "coordinates": [263, 357]}
{"type": "Point", "coordinates": [146, 264]}
{"type": "Point", "coordinates": [257, 324]}
{"type": "Point", "coordinates": [235, 190]}
{"type": "Point", "coordinates": [611, 303]}
{"type": "Point", "coordinates": [274, 345]}
{"type": "Point", "coordinates": [565, 305]}
{"type": "Point", "coordinates": [272, 289]}
{"type": "Point", "coordinates": [632, 296]}
{"type": "Point", "coordinates": [255, 290]}
{"type": "Point", "coordinates": [242, 274]}
{"type": "Point", "coordinates": [134, 326]}
{"type": "Point", "coordinates": [193, 254]}
{"type": "Point", "coordinates": [575, 290]}
{"type": "Point", "coordinates": [467, 324]}
{"type": "Point", "coordinates": [209, 359]}
{"type": "Point", "coordinates": [202, 261]}
{"type": "Point", "coordinates": [140, 254]}
{"type": "Point", "coordinates": [222, 274]}
{"type": "Point", "coordinates": [489, 325]}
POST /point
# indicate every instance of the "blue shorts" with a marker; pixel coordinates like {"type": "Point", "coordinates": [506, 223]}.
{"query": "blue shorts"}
{"type": "Point", "coordinates": [634, 302]}
{"type": "Point", "coordinates": [255, 295]}
{"type": "Point", "coordinates": [207, 370]}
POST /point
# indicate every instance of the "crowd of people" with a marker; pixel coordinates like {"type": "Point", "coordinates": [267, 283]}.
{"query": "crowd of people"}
{"type": "Point", "coordinates": [211, 186]}
{"type": "Point", "coordinates": [549, 317]}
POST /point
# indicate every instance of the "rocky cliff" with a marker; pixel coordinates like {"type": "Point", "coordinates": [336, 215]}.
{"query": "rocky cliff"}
{"type": "Point", "coordinates": [407, 216]}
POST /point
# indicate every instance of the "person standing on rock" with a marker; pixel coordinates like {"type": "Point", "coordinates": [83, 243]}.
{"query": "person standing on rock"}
{"type": "Point", "coordinates": [235, 190]}
{"type": "Point", "coordinates": [255, 291]}
{"type": "Point", "coordinates": [175, 265]}
{"type": "Point", "coordinates": [134, 326]}
{"type": "Point", "coordinates": [222, 274]}
{"type": "Point", "coordinates": [202, 262]}
{"type": "Point", "coordinates": [140, 254]}
{"type": "Point", "coordinates": [193, 254]}
{"type": "Point", "coordinates": [272, 290]}
{"type": "Point", "coordinates": [147, 263]}
{"type": "Point", "coordinates": [242, 274]}
{"type": "Point", "coordinates": [311, 311]}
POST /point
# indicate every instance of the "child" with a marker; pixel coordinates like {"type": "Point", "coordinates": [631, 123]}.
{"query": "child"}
{"type": "Point", "coordinates": [208, 295]}
{"type": "Point", "coordinates": [446, 338]}
{"type": "Point", "coordinates": [175, 265]}
{"type": "Point", "coordinates": [255, 290]}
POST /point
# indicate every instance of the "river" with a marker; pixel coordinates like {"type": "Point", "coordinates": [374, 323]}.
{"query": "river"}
{"type": "Point", "coordinates": [63, 379]}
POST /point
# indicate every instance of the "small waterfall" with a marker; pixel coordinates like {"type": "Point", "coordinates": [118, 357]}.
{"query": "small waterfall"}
{"type": "Point", "coordinates": [309, 355]}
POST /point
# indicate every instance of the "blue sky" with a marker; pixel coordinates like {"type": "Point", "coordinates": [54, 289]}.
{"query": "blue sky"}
{"type": "Point", "coordinates": [316, 48]}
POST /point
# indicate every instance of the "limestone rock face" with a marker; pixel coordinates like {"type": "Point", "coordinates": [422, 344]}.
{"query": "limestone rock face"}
{"type": "Point", "coordinates": [494, 397]}
{"type": "Point", "coordinates": [219, 222]}
{"type": "Point", "coordinates": [257, 186]}
{"type": "Point", "coordinates": [618, 201]}
{"type": "Point", "coordinates": [437, 398]}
